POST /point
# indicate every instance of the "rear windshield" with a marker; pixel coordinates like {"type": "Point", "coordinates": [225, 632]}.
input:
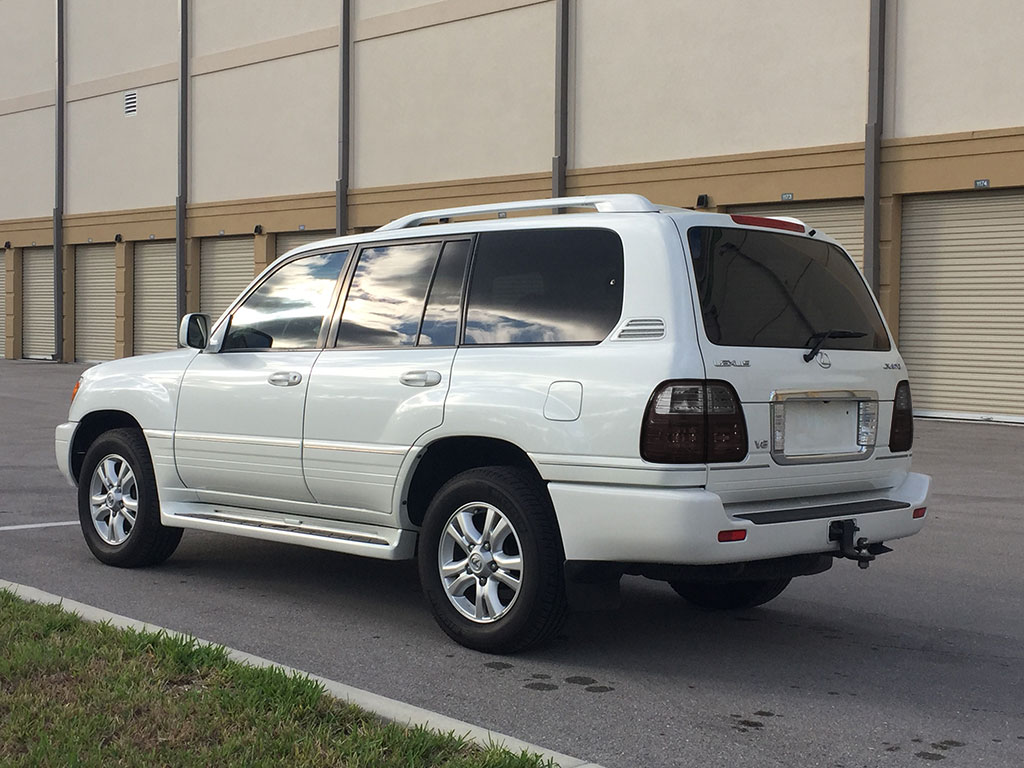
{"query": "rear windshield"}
{"type": "Point", "coordinates": [761, 289]}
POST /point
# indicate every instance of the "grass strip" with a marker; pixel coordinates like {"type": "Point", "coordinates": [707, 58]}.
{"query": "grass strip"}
{"type": "Point", "coordinates": [74, 693]}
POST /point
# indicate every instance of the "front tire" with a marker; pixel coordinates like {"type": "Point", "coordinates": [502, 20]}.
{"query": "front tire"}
{"type": "Point", "coordinates": [732, 595]}
{"type": "Point", "coordinates": [118, 505]}
{"type": "Point", "coordinates": [490, 561]}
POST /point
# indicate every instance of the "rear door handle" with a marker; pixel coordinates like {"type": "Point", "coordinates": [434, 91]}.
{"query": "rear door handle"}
{"type": "Point", "coordinates": [285, 378]}
{"type": "Point", "coordinates": [420, 378]}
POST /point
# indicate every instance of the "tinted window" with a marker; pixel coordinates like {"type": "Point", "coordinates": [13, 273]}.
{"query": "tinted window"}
{"type": "Point", "coordinates": [760, 289]}
{"type": "Point", "coordinates": [441, 318]}
{"type": "Point", "coordinates": [385, 302]}
{"type": "Point", "coordinates": [287, 309]}
{"type": "Point", "coordinates": [545, 286]}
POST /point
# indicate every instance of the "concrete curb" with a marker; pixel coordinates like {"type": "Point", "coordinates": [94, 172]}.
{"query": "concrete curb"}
{"type": "Point", "coordinates": [388, 709]}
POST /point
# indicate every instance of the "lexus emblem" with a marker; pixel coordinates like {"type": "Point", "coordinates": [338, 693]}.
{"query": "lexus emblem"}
{"type": "Point", "coordinates": [823, 360]}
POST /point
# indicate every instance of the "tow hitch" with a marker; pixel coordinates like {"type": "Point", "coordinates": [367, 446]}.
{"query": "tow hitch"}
{"type": "Point", "coordinates": [860, 550]}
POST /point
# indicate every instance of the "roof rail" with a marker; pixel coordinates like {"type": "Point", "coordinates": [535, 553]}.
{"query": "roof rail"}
{"type": "Point", "coordinates": [602, 203]}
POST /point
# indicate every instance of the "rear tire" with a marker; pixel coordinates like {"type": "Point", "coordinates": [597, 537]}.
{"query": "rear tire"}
{"type": "Point", "coordinates": [732, 595]}
{"type": "Point", "coordinates": [118, 505]}
{"type": "Point", "coordinates": [491, 561]}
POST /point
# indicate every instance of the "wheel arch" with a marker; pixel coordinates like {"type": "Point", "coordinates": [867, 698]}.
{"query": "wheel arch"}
{"type": "Point", "coordinates": [446, 457]}
{"type": "Point", "coordinates": [91, 427]}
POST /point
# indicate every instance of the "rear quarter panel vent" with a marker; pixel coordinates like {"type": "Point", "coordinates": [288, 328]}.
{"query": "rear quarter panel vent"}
{"type": "Point", "coordinates": [641, 329]}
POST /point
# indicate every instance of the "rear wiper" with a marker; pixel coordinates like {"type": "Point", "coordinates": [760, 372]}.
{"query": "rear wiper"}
{"type": "Point", "coordinates": [817, 339]}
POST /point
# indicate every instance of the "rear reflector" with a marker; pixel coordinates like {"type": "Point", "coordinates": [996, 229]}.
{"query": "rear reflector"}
{"type": "Point", "coordinates": [735, 535]}
{"type": "Point", "coordinates": [919, 513]}
{"type": "Point", "coordinates": [764, 221]}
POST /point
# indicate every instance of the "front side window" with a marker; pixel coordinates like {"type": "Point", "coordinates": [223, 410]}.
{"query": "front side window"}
{"type": "Point", "coordinates": [545, 286]}
{"type": "Point", "coordinates": [761, 289]}
{"type": "Point", "coordinates": [385, 302]}
{"type": "Point", "coordinates": [287, 310]}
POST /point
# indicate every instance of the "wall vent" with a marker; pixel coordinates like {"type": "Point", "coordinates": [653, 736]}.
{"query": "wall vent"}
{"type": "Point", "coordinates": [642, 329]}
{"type": "Point", "coordinates": [131, 102]}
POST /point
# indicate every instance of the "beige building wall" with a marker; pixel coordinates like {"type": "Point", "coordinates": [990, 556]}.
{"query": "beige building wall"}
{"type": "Point", "coordinates": [224, 25]}
{"type": "Point", "coordinates": [687, 78]}
{"type": "Point", "coordinates": [26, 160]}
{"type": "Point", "coordinates": [365, 9]}
{"type": "Point", "coordinates": [28, 46]}
{"type": "Point", "coordinates": [955, 66]}
{"type": "Point", "coordinates": [469, 98]}
{"type": "Point", "coordinates": [116, 161]}
{"type": "Point", "coordinates": [264, 129]}
{"type": "Point", "coordinates": [111, 37]}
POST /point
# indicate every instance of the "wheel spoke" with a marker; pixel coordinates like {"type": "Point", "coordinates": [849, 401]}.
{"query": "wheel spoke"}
{"type": "Point", "coordinates": [468, 528]}
{"type": "Point", "coordinates": [459, 586]}
{"type": "Point", "coordinates": [101, 513]}
{"type": "Point", "coordinates": [122, 472]}
{"type": "Point", "coordinates": [98, 499]}
{"type": "Point", "coordinates": [132, 505]}
{"type": "Point", "coordinates": [459, 538]}
{"type": "Point", "coordinates": [491, 600]}
{"type": "Point", "coordinates": [489, 520]}
{"type": "Point", "coordinates": [507, 579]}
{"type": "Point", "coordinates": [508, 562]}
{"type": "Point", "coordinates": [117, 531]}
{"type": "Point", "coordinates": [108, 474]}
{"type": "Point", "coordinates": [501, 531]}
{"type": "Point", "coordinates": [128, 515]}
{"type": "Point", "coordinates": [448, 570]}
{"type": "Point", "coordinates": [480, 608]}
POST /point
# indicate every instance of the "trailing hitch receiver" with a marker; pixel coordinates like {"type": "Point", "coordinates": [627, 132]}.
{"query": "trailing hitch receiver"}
{"type": "Point", "coordinates": [860, 549]}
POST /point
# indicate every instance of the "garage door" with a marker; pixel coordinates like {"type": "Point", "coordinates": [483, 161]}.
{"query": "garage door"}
{"type": "Point", "coordinates": [37, 303]}
{"type": "Point", "coordinates": [225, 268]}
{"type": "Point", "coordinates": [962, 304]}
{"type": "Point", "coordinates": [839, 219]}
{"type": "Point", "coordinates": [94, 302]}
{"type": "Point", "coordinates": [155, 302]}
{"type": "Point", "coordinates": [288, 240]}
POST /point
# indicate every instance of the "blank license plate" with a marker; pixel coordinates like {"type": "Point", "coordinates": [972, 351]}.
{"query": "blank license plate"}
{"type": "Point", "coordinates": [820, 426]}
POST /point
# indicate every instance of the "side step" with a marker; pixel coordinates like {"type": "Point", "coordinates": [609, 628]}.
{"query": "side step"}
{"type": "Point", "coordinates": [351, 538]}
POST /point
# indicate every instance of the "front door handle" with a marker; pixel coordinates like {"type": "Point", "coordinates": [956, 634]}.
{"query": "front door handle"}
{"type": "Point", "coordinates": [285, 378]}
{"type": "Point", "coordinates": [420, 378]}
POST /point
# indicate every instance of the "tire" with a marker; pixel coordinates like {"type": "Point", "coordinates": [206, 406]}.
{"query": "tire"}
{"type": "Point", "coordinates": [527, 551]}
{"type": "Point", "coordinates": [117, 474]}
{"type": "Point", "coordinates": [732, 595]}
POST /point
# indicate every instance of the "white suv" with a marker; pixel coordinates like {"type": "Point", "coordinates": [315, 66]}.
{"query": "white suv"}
{"type": "Point", "coordinates": [531, 406]}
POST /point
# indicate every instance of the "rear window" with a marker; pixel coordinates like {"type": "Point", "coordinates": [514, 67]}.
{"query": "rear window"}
{"type": "Point", "coordinates": [761, 289]}
{"type": "Point", "coordinates": [545, 286]}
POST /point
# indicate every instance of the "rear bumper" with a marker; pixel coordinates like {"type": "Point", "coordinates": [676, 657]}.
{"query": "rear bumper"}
{"type": "Point", "coordinates": [63, 437]}
{"type": "Point", "coordinates": [681, 525]}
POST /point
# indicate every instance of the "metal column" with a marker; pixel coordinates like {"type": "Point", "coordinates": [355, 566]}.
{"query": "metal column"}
{"type": "Point", "coordinates": [344, 115]}
{"type": "Point", "coordinates": [181, 200]}
{"type": "Point", "coordinates": [58, 194]}
{"type": "Point", "coordinates": [873, 145]}
{"type": "Point", "coordinates": [559, 161]}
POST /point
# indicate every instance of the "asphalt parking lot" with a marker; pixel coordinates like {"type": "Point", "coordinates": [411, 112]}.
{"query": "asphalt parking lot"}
{"type": "Point", "coordinates": [918, 659]}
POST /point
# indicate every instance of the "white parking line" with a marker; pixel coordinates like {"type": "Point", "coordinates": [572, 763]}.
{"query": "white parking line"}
{"type": "Point", "coordinates": [388, 709]}
{"type": "Point", "coordinates": [38, 525]}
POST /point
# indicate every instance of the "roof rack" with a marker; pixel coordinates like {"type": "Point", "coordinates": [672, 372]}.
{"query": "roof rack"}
{"type": "Point", "coordinates": [602, 203]}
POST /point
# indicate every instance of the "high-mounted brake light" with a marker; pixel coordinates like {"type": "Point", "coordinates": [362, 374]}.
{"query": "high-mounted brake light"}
{"type": "Point", "coordinates": [901, 431]}
{"type": "Point", "coordinates": [693, 422]}
{"type": "Point", "coordinates": [764, 221]}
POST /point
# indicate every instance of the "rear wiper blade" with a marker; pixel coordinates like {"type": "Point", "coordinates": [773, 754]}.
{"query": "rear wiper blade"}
{"type": "Point", "coordinates": [818, 339]}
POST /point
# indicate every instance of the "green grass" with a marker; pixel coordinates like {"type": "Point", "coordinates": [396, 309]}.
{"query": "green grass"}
{"type": "Point", "coordinates": [74, 693]}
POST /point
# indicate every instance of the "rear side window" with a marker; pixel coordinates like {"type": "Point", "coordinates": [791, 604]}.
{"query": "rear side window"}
{"type": "Point", "coordinates": [544, 286]}
{"type": "Point", "coordinates": [762, 289]}
{"type": "Point", "coordinates": [385, 302]}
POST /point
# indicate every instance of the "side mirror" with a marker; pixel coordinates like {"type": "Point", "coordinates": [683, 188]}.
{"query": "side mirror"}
{"type": "Point", "coordinates": [194, 331]}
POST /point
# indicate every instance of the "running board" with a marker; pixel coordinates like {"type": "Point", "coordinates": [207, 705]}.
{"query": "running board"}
{"type": "Point", "coordinates": [351, 538]}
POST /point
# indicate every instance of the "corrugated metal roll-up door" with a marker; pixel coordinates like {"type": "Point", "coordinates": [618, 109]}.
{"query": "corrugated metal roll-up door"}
{"type": "Point", "coordinates": [839, 219]}
{"type": "Point", "coordinates": [37, 303]}
{"type": "Point", "coordinates": [155, 301]}
{"type": "Point", "coordinates": [288, 240]}
{"type": "Point", "coordinates": [962, 304]}
{"type": "Point", "coordinates": [94, 302]}
{"type": "Point", "coordinates": [3, 305]}
{"type": "Point", "coordinates": [225, 269]}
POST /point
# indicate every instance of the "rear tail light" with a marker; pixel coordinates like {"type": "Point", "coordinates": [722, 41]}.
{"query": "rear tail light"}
{"type": "Point", "coordinates": [901, 431]}
{"type": "Point", "coordinates": [693, 422]}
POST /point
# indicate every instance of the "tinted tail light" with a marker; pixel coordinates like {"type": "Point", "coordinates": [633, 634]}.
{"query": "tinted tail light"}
{"type": "Point", "coordinates": [901, 431]}
{"type": "Point", "coordinates": [693, 422]}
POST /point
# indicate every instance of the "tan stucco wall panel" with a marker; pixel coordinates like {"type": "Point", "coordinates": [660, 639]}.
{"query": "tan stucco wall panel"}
{"type": "Point", "coordinates": [110, 37]}
{"type": "Point", "coordinates": [267, 129]}
{"type": "Point", "coordinates": [220, 25]}
{"type": "Point", "coordinates": [957, 66]}
{"type": "Point", "coordinates": [132, 225]}
{"type": "Point", "coordinates": [26, 163]}
{"type": "Point", "coordinates": [117, 162]}
{"type": "Point", "coordinates": [686, 78]}
{"type": "Point", "coordinates": [29, 41]}
{"type": "Point", "coordinates": [462, 100]}
{"type": "Point", "coordinates": [280, 214]}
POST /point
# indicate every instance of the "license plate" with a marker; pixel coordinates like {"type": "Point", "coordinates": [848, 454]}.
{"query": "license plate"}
{"type": "Point", "coordinates": [820, 426]}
